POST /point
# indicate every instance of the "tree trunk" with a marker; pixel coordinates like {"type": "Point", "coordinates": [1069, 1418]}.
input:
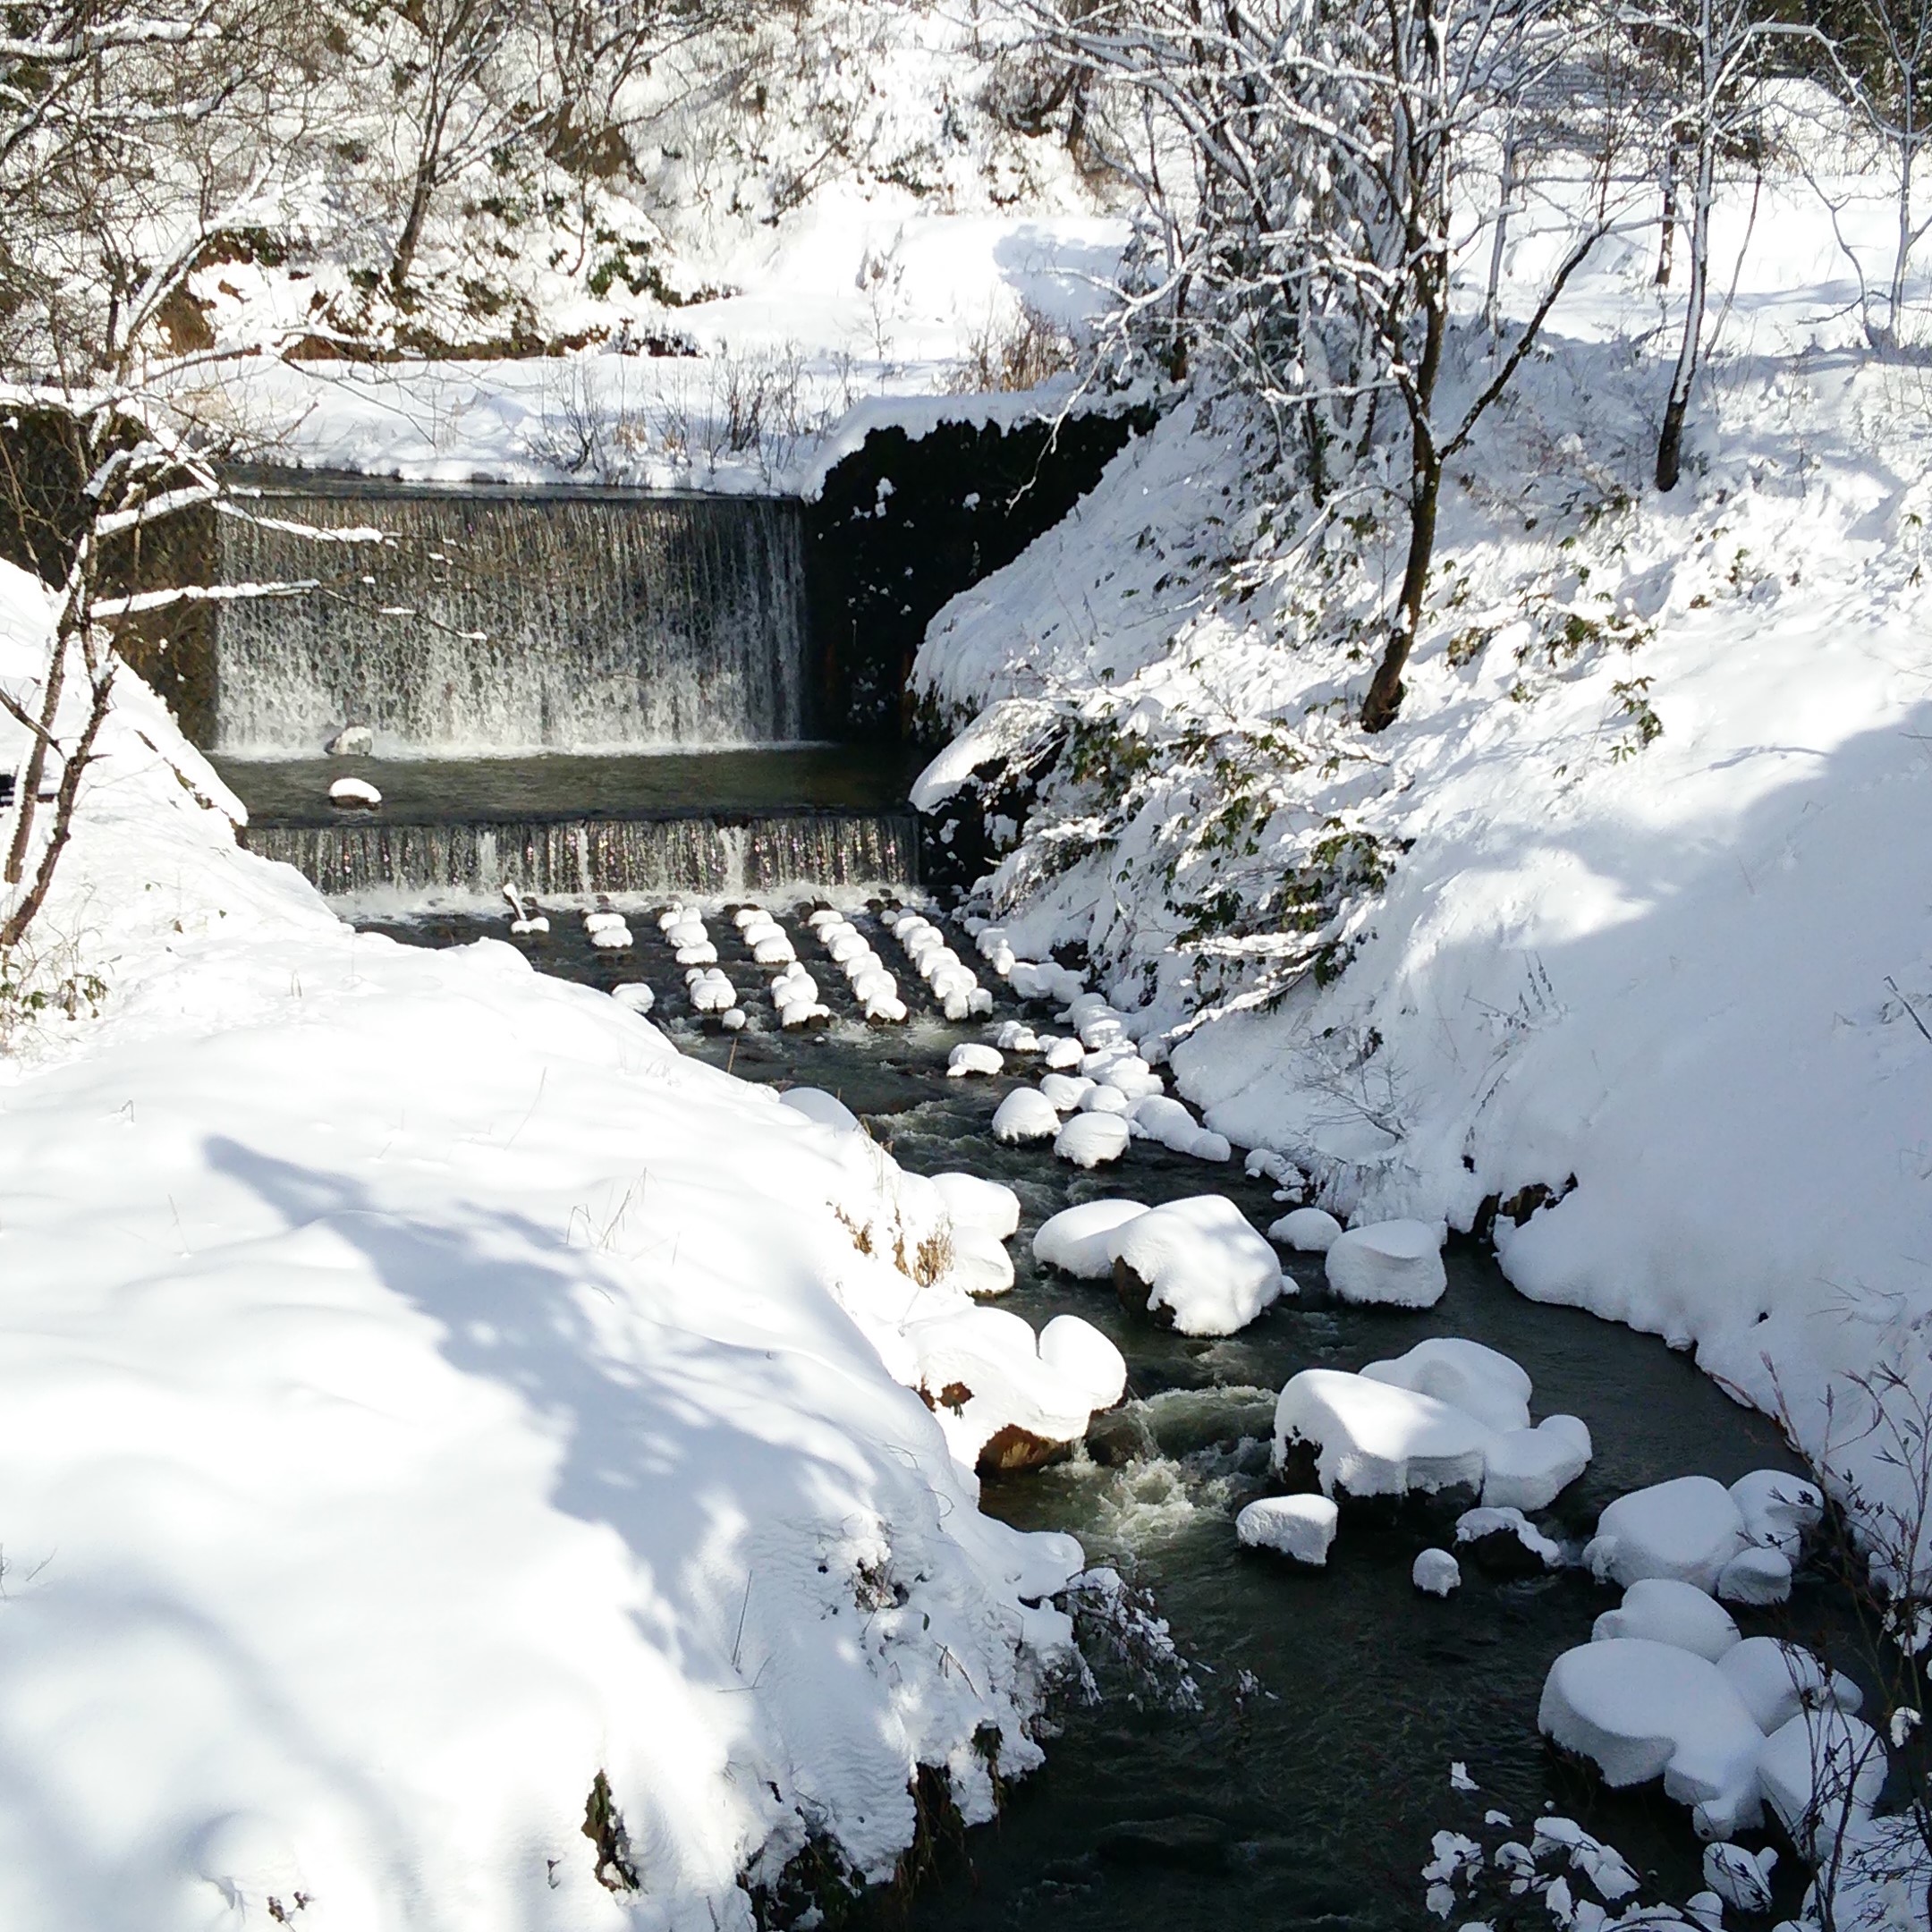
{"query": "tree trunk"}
{"type": "Point", "coordinates": [1492, 302]}
{"type": "Point", "coordinates": [1895, 312]}
{"type": "Point", "coordinates": [30, 783]}
{"type": "Point", "coordinates": [1670, 440]}
{"type": "Point", "coordinates": [65, 800]}
{"type": "Point", "coordinates": [1667, 223]}
{"type": "Point", "coordinates": [1385, 691]}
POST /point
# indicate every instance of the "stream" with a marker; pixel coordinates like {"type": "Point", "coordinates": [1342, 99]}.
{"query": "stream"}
{"type": "Point", "coordinates": [1300, 1786]}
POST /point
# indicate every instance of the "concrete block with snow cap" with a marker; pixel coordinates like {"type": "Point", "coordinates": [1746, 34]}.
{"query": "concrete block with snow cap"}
{"type": "Point", "coordinates": [1197, 1265]}
{"type": "Point", "coordinates": [1394, 1264]}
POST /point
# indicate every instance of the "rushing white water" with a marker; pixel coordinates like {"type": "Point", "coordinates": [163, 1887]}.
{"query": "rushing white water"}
{"type": "Point", "coordinates": [509, 623]}
{"type": "Point", "coordinates": [570, 856]}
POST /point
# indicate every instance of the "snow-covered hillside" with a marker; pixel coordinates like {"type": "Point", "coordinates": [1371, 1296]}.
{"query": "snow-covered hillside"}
{"type": "Point", "coordinates": [1623, 906]}
{"type": "Point", "coordinates": [458, 1468]}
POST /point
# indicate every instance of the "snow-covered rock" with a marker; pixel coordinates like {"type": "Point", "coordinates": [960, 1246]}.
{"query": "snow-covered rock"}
{"type": "Point", "coordinates": [973, 1056]}
{"type": "Point", "coordinates": [354, 795]}
{"type": "Point", "coordinates": [1529, 1467]}
{"type": "Point", "coordinates": [1065, 1091]}
{"type": "Point", "coordinates": [980, 1263]}
{"type": "Point", "coordinates": [1476, 1379]}
{"type": "Point", "coordinates": [1505, 1539]}
{"type": "Point", "coordinates": [817, 1104]}
{"type": "Point", "coordinates": [1779, 1510]}
{"type": "Point", "coordinates": [999, 1404]}
{"type": "Point", "coordinates": [1302, 1527]}
{"type": "Point", "coordinates": [1307, 1229]}
{"type": "Point", "coordinates": [1063, 1056]}
{"type": "Point", "coordinates": [1739, 1878]}
{"type": "Point", "coordinates": [1079, 1240]}
{"type": "Point", "coordinates": [1756, 1576]}
{"type": "Point", "coordinates": [353, 741]}
{"type": "Point", "coordinates": [1093, 1139]}
{"type": "Point", "coordinates": [1373, 1439]}
{"type": "Point", "coordinates": [1664, 1611]}
{"type": "Point", "coordinates": [1026, 1114]}
{"type": "Point", "coordinates": [1640, 1710]}
{"type": "Point", "coordinates": [1778, 1680]}
{"type": "Point", "coordinates": [1198, 1264]}
{"type": "Point", "coordinates": [635, 996]}
{"type": "Point", "coordinates": [1016, 1037]}
{"type": "Point", "coordinates": [973, 1201]}
{"type": "Point", "coordinates": [1088, 1359]}
{"type": "Point", "coordinates": [1106, 1099]}
{"type": "Point", "coordinates": [612, 939]}
{"type": "Point", "coordinates": [1821, 1772]}
{"type": "Point", "coordinates": [1395, 1264]}
{"type": "Point", "coordinates": [1689, 1528]}
{"type": "Point", "coordinates": [1436, 1572]}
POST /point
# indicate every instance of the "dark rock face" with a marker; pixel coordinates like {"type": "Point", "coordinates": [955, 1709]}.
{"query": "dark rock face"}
{"type": "Point", "coordinates": [1012, 1449]}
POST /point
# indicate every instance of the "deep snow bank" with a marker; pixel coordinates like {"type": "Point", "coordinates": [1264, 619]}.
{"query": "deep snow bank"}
{"type": "Point", "coordinates": [1520, 937]}
{"type": "Point", "coordinates": [422, 1391]}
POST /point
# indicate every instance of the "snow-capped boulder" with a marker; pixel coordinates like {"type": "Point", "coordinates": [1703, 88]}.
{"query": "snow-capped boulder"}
{"type": "Point", "coordinates": [1436, 1572]}
{"type": "Point", "coordinates": [1664, 1611]}
{"type": "Point", "coordinates": [814, 1104]}
{"type": "Point", "coordinates": [1395, 1264]}
{"type": "Point", "coordinates": [973, 1056]}
{"type": "Point", "coordinates": [1373, 1439]}
{"type": "Point", "coordinates": [353, 741]}
{"type": "Point", "coordinates": [1756, 1576]}
{"type": "Point", "coordinates": [1822, 1769]}
{"type": "Point", "coordinates": [1079, 1240]}
{"type": "Point", "coordinates": [354, 795]}
{"type": "Point", "coordinates": [980, 1263]}
{"type": "Point", "coordinates": [1529, 1467]}
{"type": "Point", "coordinates": [1064, 1091]}
{"type": "Point", "coordinates": [1091, 1140]}
{"type": "Point", "coordinates": [1026, 1114]}
{"type": "Point", "coordinates": [1778, 1680]}
{"type": "Point", "coordinates": [1779, 1510]}
{"type": "Point", "coordinates": [1481, 1380]}
{"type": "Point", "coordinates": [1063, 1055]}
{"type": "Point", "coordinates": [1688, 1528]}
{"type": "Point", "coordinates": [1505, 1542]}
{"type": "Point", "coordinates": [1000, 1406]}
{"type": "Point", "coordinates": [1302, 1527]}
{"type": "Point", "coordinates": [1087, 1358]}
{"type": "Point", "coordinates": [1739, 1878]}
{"type": "Point", "coordinates": [974, 1202]}
{"type": "Point", "coordinates": [1016, 1037]}
{"type": "Point", "coordinates": [1104, 1099]}
{"type": "Point", "coordinates": [612, 939]}
{"type": "Point", "coordinates": [1307, 1229]}
{"type": "Point", "coordinates": [1639, 1710]}
{"type": "Point", "coordinates": [635, 995]}
{"type": "Point", "coordinates": [1196, 1264]}
{"type": "Point", "coordinates": [602, 921]}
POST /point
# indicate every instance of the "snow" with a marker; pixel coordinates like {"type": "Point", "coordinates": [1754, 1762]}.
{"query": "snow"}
{"type": "Point", "coordinates": [1777, 1679]}
{"type": "Point", "coordinates": [635, 996]}
{"type": "Point", "coordinates": [1307, 1229]}
{"type": "Point", "coordinates": [970, 1057]}
{"type": "Point", "coordinates": [1740, 1878]}
{"type": "Point", "coordinates": [354, 792]}
{"type": "Point", "coordinates": [1093, 1139]}
{"type": "Point", "coordinates": [1087, 1358]}
{"type": "Point", "coordinates": [1528, 1468]}
{"type": "Point", "coordinates": [1640, 1710]}
{"type": "Point", "coordinates": [1395, 1264]}
{"type": "Point", "coordinates": [1025, 1115]}
{"type": "Point", "coordinates": [973, 1201]}
{"type": "Point", "coordinates": [1481, 1380]}
{"type": "Point", "coordinates": [1203, 1266]}
{"type": "Point", "coordinates": [1436, 1572]}
{"type": "Point", "coordinates": [1079, 1240]}
{"type": "Point", "coordinates": [1756, 1576]}
{"type": "Point", "coordinates": [815, 1105]}
{"type": "Point", "coordinates": [1478, 1525]}
{"type": "Point", "coordinates": [461, 1395]}
{"type": "Point", "coordinates": [1302, 1527]}
{"type": "Point", "coordinates": [1065, 1091]}
{"type": "Point", "coordinates": [1662, 1610]}
{"type": "Point", "coordinates": [1688, 1528]}
{"type": "Point", "coordinates": [1373, 1439]}
{"type": "Point", "coordinates": [1778, 1508]}
{"type": "Point", "coordinates": [1821, 1773]}
{"type": "Point", "coordinates": [979, 1263]}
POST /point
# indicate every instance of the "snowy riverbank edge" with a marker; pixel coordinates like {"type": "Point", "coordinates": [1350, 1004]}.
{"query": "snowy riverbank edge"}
{"type": "Point", "coordinates": [427, 1402]}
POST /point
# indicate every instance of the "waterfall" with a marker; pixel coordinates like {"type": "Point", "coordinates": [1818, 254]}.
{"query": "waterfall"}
{"type": "Point", "coordinates": [568, 856]}
{"type": "Point", "coordinates": [511, 622]}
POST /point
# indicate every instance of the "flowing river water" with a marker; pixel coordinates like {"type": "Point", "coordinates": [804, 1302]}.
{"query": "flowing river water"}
{"type": "Point", "coordinates": [1299, 1785]}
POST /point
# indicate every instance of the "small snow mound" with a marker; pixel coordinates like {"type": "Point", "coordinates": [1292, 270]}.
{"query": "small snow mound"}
{"type": "Point", "coordinates": [1078, 1351]}
{"type": "Point", "coordinates": [1740, 1878]}
{"type": "Point", "coordinates": [974, 1202]}
{"type": "Point", "coordinates": [817, 1104]}
{"type": "Point", "coordinates": [1481, 1380]}
{"type": "Point", "coordinates": [1079, 1240]}
{"type": "Point", "coordinates": [635, 995]}
{"type": "Point", "coordinates": [1436, 1572]}
{"type": "Point", "coordinates": [1307, 1229]}
{"type": "Point", "coordinates": [1026, 1114]}
{"type": "Point", "coordinates": [1778, 1680]}
{"type": "Point", "coordinates": [971, 1056]}
{"type": "Point", "coordinates": [354, 795]}
{"type": "Point", "coordinates": [980, 1263]}
{"type": "Point", "coordinates": [1302, 1527]}
{"type": "Point", "coordinates": [1093, 1139]}
{"type": "Point", "coordinates": [1823, 1768]}
{"type": "Point", "coordinates": [1689, 1528]}
{"type": "Point", "coordinates": [1200, 1262]}
{"type": "Point", "coordinates": [1395, 1264]}
{"type": "Point", "coordinates": [1106, 1100]}
{"type": "Point", "coordinates": [1640, 1710]}
{"type": "Point", "coordinates": [1756, 1576]}
{"type": "Point", "coordinates": [1778, 1510]}
{"type": "Point", "coordinates": [612, 939]}
{"type": "Point", "coordinates": [1370, 1438]}
{"type": "Point", "coordinates": [1662, 1610]}
{"type": "Point", "coordinates": [1529, 1467]}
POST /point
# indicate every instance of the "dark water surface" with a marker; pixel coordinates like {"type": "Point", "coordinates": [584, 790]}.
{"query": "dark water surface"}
{"type": "Point", "coordinates": [1303, 1790]}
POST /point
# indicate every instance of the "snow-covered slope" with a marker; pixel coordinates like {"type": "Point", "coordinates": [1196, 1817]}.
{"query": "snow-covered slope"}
{"type": "Point", "coordinates": [424, 1395]}
{"type": "Point", "coordinates": [1629, 893]}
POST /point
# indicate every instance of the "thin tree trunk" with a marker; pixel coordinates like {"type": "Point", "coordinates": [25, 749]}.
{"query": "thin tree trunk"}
{"type": "Point", "coordinates": [65, 800]}
{"type": "Point", "coordinates": [1895, 313]}
{"type": "Point", "coordinates": [29, 784]}
{"type": "Point", "coordinates": [1668, 224]}
{"type": "Point", "coordinates": [1492, 302]}
{"type": "Point", "coordinates": [1670, 441]}
{"type": "Point", "coordinates": [1385, 690]}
